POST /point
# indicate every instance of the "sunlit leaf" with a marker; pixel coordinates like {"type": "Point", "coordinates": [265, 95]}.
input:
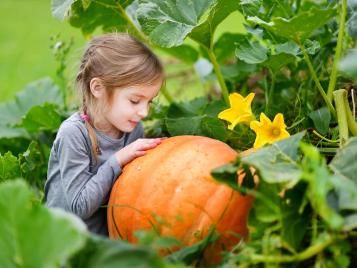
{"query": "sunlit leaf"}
{"type": "Point", "coordinates": [277, 163]}
{"type": "Point", "coordinates": [44, 117]}
{"type": "Point", "coordinates": [251, 52]}
{"type": "Point", "coordinates": [36, 93]}
{"type": "Point", "coordinates": [298, 28]}
{"type": "Point", "coordinates": [167, 23]}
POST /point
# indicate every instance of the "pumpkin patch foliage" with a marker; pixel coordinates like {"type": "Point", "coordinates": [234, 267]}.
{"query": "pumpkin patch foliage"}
{"type": "Point", "coordinates": [259, 168]}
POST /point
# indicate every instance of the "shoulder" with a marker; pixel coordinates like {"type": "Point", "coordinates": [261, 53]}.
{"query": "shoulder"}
{"type": "Point", "coordinates": [72, 131]}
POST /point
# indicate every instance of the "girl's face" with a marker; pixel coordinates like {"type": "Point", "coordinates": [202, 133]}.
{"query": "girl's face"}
{"type": "Point", "coordinates": [128, 107]}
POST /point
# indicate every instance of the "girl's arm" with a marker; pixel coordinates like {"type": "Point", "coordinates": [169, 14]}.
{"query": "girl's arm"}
{"type": "Point", "coordinates": [84, 191]}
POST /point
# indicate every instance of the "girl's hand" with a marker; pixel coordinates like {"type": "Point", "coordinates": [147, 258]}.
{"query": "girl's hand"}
{"type": "Point", "coordinates": [135, 149]}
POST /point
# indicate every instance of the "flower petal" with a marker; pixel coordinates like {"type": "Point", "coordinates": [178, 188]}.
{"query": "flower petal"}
{"type": "Point", "coordinates": [228, 115]}
{"type": "Point", "coordinates": [279, 121]}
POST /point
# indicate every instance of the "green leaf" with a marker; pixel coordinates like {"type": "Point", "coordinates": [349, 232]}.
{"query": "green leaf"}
{"type": "Point", "coordinates": [319, 179]}
{"type": "Point", "coordinates": [168, 23]}
{"type": "Point", "coordinates": [277, 162]}
{"type": "Point", "coordinates": [214, 128]}
{"type": "Point", "coordinates": [321, 119]}
{"type": "Point", "coordinates": [276, 62]}
{"type": "Point", "coordinates": [100, 13]}
{"type": "Point", "coordinates": [36, 93]}
{"type": "Point", "coordinates": [24, 224]}
{"type": "Point", "coordinates": [105, 253]}
{"type": "Point", "coordinates": [60, 8]}
{"type": "Point", "coordinates": [184, 125]}
{"type": "Point", "coordinates": [227, 174]}
{"type": "Point", "coordinates": [183, 52]}
{"type": "Point", "coordinates": [189, 254]}
{"type": "Point", "coordinates": [312, 47]}
{"type": "Point", "coordinates": [44, 117]}
{"type": "Point", "coordinates": [341, 163]}
{"type": "Point", "coordinates": [9, 132]}
{"type": "Point", "coordinates": [251, 52]}
{"type": "Point", "coordinates": [204, 33]}
{"type": "Point", "coordinates": [348, 64]}
{"type": "Point", "coordinates": [289, 47]}
{"type": "Point", "coordinates": [225, 46]}
{"type": "Point", "coordinates": [350, 222]}
{"type": "Point", "coordinates": [9, 167]}
{"type": "Point", "coordinates": [267, 203]}
{"type": "Point", "coordinates": [299, 27]}
{"type": "Point", "coordinates": [294, 222]}
{"type": "Point", "coordinates": [251, 7]}
{"type": "Point", "coordinates": [346, 191]}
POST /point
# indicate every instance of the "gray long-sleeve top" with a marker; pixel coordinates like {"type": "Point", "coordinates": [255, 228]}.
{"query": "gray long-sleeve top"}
{"type": "Point", "coordinates": [75, 181]}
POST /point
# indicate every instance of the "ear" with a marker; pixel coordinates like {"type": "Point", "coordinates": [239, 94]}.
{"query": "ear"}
{"type": "Point", "coordinates": [97, 88]}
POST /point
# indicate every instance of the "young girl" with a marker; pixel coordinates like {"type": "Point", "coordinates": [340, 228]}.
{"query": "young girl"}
{"type": "Point", "coordinates": [118, 78]}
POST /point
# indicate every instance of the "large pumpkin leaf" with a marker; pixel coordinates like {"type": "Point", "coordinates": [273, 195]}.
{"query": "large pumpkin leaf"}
{"type": "Point", "coordinates": [9, 132]}
{"type": "Point", "coordinates": [204, 32]}
{"type": "Point", "coordinates": [299, 27]}
{"type": "Point", "coordinates": [34, 236]}
{"type": "Point", "coordinates": [343, 161]}
{"type": "Point", "coordinates": [105, 253]}
{"type": "Point", "coordinates": [277, 163]}
{"type": "Point", "coordinates": [90, 14]}
{"type": "Point", "coordinates": [167, 23]}
{"type": "Point", "coordinates": [44, 117]}
{"type": "Point", "coordinates": [319, 179]}
{"type": "Point", "coordinates": [251, 52]}
{"type": "Point", "coordinates": [109, 14]}
{"type": "Point", "coordinates": [277, 61]}
{"type": "Point", "coordinates": [36, 93]}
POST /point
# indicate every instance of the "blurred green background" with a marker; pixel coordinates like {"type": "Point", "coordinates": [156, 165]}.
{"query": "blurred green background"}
{"type": "Point", "coordinates": [27, 27]}
{"type": "Point", "coordinates": [25, 38]}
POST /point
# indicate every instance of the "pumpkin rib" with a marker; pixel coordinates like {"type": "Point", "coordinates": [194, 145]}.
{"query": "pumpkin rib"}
{"type": "Point", "coordinates": [138, 195]}
{"type": "Point", "coordinates": [173, 181]}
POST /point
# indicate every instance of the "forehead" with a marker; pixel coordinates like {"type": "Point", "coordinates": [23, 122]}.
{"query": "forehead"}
{"type": "Point", "coordinates": [144, 90]}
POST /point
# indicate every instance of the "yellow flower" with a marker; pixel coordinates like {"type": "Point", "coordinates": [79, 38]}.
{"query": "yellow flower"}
{"type": "Point", "coordinates": [240, 111]}
{"type": "Point", "coordinates": [267, 131]}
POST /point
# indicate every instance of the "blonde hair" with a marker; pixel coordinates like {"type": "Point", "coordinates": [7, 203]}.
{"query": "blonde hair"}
{"type": "Point", "coordinates": [118, 60]}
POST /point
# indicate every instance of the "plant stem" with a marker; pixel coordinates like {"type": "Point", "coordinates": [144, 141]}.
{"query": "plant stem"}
{"type": "Point", "coordinates": [219, 75]}
{"type": "Point", "coordinates": [339, 96]}
{"type": "Point", "coordinates": [352, 124]}
{"type": "Point", "coordinates": [323, 138]}
{"type": "Point", "coordinates": [270, 92]}
{"type": "Point", "coordinates": [306, 254]}
{"type": "Point", "coordinates": [341, 32]}
{"type": "Point", "coordinates": [317, 82]}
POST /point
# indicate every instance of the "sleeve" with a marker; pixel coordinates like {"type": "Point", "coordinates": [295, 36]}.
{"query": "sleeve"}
{"type": "Point", "coordinates": [84, 191]}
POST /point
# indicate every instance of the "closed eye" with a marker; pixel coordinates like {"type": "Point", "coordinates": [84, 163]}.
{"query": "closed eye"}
{"type": "Point", "coordinates": [134, 101]}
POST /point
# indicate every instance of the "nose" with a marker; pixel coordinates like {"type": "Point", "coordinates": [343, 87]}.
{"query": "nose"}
{"type": "Point", "coordinates": [143, 111]}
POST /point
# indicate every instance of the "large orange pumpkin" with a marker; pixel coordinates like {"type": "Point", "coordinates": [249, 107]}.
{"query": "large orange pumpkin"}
{"type": "Point", "coordinates": [173, 183]}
